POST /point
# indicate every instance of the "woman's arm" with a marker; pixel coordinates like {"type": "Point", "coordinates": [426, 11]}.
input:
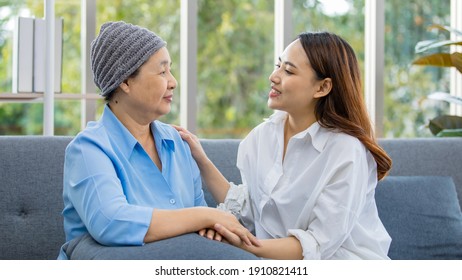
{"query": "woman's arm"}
{"type": "Point", "coordinates": [169, 223]}
{"type": "Point", "coordinates": [215, 181]}
{"type": "Point", "coordinates": [287, 248]}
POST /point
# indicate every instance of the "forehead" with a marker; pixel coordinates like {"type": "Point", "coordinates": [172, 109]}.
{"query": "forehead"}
{"type": "Point", "coordinates": [295, 53]}
{"type": "Point", "coordinates": [160, 58]}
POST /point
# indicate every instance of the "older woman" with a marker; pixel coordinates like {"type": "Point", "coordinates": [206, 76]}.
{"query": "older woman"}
{"type": "Point", "coordinates": [129, 179]}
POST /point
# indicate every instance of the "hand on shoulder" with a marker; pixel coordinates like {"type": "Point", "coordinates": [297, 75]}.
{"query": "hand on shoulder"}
{"type": "Point", "coordinates": [194, 143]}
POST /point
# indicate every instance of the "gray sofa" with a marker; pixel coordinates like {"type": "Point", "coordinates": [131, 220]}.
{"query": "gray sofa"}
{"type": "Point", "coordinates": [417, 203]}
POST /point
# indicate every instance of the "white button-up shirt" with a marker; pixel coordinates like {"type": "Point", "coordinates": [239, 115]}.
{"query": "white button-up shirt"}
{"type": "Point", "coordinates": [322, 192]}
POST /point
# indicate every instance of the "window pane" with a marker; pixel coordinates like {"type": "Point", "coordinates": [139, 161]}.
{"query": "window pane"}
{"type": "Point", "coordinates": [21, 118]}
{"type": "Point", "coordinates": [27, 118]}
{"type": "Point", "coordinates": [406, 108]}
{"type": "Point", "coordinates": [235, 58]}
{"type": "Point", "coordinates": [342, 17]}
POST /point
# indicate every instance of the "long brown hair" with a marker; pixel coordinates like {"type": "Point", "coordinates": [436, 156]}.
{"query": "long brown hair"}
{"type": "Point", "coordinates": [343, 109]}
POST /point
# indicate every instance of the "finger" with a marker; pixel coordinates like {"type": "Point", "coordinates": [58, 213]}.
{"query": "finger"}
{"type": "Point", "coordinates": [210, 234]}
{"type": "Point", "coordinates": [202, 232]}
{"type": "Point", "coordinates": [218, 237]}
{"type": "Point", "coordinates": [243, 233]}
{"type": "Point", "coordinates": [187, 137]}
{"type": "Point", "coordinates": [184, 135]}
{"type": "Point", "coordinates": [254, 240]}
{"type": "Point", "coordinates": [179, 128]}
{"type": "Point", "coordinates": [228, 235]}
{"type": "Point", "coordinates": [246, 239]}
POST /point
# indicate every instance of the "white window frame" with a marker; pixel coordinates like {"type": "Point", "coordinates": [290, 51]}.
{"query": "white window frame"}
{"type": "Point", "coordinates": [374, 62]}
{"type": "Point", "coordinates": [455, 76]}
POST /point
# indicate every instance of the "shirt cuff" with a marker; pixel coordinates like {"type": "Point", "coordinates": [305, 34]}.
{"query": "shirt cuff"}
{"type": "Point", "coordinates": [310, 246]}
{"type": "Point", "coordinates": [235, 199]}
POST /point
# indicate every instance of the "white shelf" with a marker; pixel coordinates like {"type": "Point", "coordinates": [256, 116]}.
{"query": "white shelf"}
{"type": "Point", "coordinates": [24, 97]}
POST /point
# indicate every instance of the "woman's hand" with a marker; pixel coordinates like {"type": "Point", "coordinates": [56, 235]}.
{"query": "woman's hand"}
{"type": "Point", "coordinates": [285, 248]}
{"type": "Point", "coordinates": [211, 176]}
{"type": "Point", "coordinates": [194, 144]}
{"type": "Point", "coordinates": [229, 236]}
{"type": "Point", "coordinates": [234, 228]}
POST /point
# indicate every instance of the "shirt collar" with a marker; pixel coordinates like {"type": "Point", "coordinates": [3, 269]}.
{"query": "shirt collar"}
{"type": "Point", "coordinates": [163, 134]}
{"type": "Point", "coordinates": [319, 135]}
{"type": "Point", "coordinates": [126, 141]}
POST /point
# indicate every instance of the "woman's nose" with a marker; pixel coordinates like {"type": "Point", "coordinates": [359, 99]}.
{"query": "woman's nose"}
{"type": "Point", "coordinates": [172, 82]}
{"type": "Point", "coordinates": [274, 77]}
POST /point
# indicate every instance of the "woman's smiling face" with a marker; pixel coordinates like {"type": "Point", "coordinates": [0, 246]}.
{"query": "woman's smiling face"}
{"type": "Point", "coordinates": [152, 88]}
{"type": "Point", "coordinates": [294, 83]}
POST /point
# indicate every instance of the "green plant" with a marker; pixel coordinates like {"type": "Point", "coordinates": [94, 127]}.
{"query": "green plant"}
{"type": "Point", "coordinates": [444, 125]}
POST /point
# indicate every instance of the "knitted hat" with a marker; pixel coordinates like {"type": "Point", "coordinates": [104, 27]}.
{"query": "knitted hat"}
{"type": "Point", "coordinates": [118, 51]}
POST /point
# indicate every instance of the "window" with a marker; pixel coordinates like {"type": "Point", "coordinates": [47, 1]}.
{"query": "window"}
{"type": "Point", "coordinates": [235, 56]}
{"type": "Point", "coordinates": [25, 116]}
{"type": "Point", "coordinates": [407, 109]}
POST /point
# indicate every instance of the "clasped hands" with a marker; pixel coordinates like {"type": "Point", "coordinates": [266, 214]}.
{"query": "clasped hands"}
{"type": "Point", "coordinates": [232, 232]}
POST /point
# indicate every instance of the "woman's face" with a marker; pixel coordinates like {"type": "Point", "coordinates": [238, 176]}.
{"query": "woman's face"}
{"type": "Point", "coordinates": [151, 90]}
{"type": "Point", "coordinates": [294, 85]}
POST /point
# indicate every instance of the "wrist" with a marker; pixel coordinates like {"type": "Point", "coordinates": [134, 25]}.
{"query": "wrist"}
{"type": "Point", "coordinates": [209, 216]}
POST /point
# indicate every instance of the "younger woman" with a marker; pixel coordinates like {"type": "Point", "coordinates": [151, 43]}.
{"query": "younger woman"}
{"type": "Point", "coordinates": [310, 170]}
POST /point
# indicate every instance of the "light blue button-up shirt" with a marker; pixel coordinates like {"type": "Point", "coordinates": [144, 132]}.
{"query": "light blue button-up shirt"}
{"type": "Point", "coordinates": [111, 185]}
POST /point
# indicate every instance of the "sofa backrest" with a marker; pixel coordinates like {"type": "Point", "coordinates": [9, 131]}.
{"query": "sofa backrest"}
{"type": "Point", "coordinates": [427, 157]}
{"type": "Point", "coordinates": [31, 171]}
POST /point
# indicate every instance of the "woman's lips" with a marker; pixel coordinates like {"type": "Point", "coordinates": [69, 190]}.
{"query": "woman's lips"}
{"type": "Point", "coordinates": [274, 93]}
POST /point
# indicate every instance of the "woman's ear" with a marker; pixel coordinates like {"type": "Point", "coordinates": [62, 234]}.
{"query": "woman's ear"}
{"type": "Point", "coordinates": [124, 86]}
{"type": "Point", "coordinates": [325, 87]}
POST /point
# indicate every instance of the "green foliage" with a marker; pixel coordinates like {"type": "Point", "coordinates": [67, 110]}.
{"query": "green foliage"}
{"type": "Point", "coordinates": [27, 118]}
{"type": "Point", "coordinates": [443, 125]}
{"type": "Point", "coordinates": [446, 125]}
{"type": "Point", "coordinates": [235, 58]}
{"type": "Point", "coordinates": [405, 106]}
{"type": "Point", "coordinates": [406, 88]}
{"type": "Point", "coordinates": [439, 59]}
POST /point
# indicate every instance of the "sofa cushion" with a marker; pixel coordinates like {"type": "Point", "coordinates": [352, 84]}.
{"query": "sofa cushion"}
{"type": "Point", "coordinates": [422, 215]}
{"type": "Point", "coordinates": [31, 201]}
{"type": "Point", "coordinates": [190, 246]}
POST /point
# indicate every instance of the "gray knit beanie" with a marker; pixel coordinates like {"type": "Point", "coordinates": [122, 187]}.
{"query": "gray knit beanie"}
{"type": "Point", "coordinates": [118, 51]}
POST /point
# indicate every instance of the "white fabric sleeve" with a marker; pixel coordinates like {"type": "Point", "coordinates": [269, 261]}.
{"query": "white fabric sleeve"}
{"type": "Point", "coordinates": [235, 198]}
{"type": "Point", "coordinates": [310, 246]}
{"type": "Point", "coordinates": [237, 202]}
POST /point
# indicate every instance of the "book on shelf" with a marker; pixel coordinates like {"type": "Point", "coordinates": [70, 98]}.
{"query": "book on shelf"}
{"type": "Point", "coordinates": [40, 37]}
{"type": "Point", "coordinates": [23, 55]}
{"type": "Point", "coordinates": [40, 54]}
{"type": "Point", "coordinates": [59, 25]}
{"type": "Point", "coordinates": [29, 55]}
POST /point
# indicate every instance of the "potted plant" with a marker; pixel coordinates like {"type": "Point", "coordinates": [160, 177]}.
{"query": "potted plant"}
{"type": "Point", "coordinates": [444, 125]}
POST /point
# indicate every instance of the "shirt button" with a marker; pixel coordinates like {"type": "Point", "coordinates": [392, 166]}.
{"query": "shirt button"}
{"type": "Point", "coordinates": [172, 201]}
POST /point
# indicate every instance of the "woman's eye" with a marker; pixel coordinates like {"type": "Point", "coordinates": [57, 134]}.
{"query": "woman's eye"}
{"type": "Point", "coordinates": [277, 66]}
{"type": "Point", "coordinates": [288, 72]}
